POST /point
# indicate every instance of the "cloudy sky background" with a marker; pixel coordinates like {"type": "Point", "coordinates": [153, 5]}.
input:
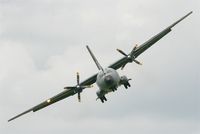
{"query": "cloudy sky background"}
{"type": "Point", "coordinates": [42, 46]}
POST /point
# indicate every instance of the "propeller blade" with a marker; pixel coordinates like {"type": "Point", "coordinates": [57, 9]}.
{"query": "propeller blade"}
{"type": "Point", "coordinates": [137, 62]}
{"type": "Point", "coordinates": [78, 78]}
{"type": "Point", "coordinates": [122, 52]}
{"type": "Point", "coordinates": [134, 48]}
{"type": "Point", "coordinates": [87, 86]}
{"type": "Point", "coordinates": [123, 66]}
{"type": "Point", "coordinates": [70, 88]}
{"type": "Point", "coordinates": [79, 97]}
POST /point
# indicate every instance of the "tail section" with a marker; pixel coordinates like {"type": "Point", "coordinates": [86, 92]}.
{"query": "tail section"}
{"type": "Point", "coordinates": [94, 58]}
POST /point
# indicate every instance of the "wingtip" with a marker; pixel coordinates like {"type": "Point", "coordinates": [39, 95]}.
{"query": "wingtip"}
{"type": "Point", "coordinates": [12, 119]}
{"type": "Point", "coordinates": [175, 23]}
{"type": "Point", "coordinates": [189, 13]}
{"type": "Point", "coordinates": [21, 114]}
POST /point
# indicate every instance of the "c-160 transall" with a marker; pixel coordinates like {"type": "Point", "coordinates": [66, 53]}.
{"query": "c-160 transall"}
{"type": "Point", "coordinates": [107, 79]}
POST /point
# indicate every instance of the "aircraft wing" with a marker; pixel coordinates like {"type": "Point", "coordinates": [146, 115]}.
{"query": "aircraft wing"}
{"type": "Point", "coordinates": [147, 44]}
{"type": "Point", "coordinates": [58, 97]}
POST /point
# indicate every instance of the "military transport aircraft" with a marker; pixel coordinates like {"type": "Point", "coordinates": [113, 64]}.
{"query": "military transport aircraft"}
{"type": "Point", "coordinates": [107, 79]}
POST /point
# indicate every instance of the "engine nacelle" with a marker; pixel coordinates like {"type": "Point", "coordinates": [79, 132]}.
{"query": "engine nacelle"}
{"type": "Point", "coordinates": [125, 81]}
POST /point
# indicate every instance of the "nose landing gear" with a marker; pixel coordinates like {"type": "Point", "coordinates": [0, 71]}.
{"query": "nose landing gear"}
{"type": "Point", "coordinates": [103, 98]}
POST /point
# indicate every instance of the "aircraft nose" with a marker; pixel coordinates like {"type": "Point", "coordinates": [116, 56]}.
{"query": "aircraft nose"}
{"type": "Point", "coordinates": [108, 79]}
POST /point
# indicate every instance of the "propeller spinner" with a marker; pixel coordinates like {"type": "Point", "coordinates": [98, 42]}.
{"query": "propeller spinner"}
{"type": "Point", "coordinates": [130, 57]}
{"type": "Point", "coordinates": [78, 88]}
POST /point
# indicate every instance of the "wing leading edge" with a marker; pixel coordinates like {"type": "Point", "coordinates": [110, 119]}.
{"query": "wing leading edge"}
{"type": "Point", "coordinates": [115, 65]}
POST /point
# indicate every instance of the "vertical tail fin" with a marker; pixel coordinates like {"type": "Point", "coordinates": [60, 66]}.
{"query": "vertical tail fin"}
{"type": "Point", "coordinates": [94, 58]}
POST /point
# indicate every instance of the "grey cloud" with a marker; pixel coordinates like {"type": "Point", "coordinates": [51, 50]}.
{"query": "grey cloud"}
{"type": "Point", "coordinates": [42, 45]}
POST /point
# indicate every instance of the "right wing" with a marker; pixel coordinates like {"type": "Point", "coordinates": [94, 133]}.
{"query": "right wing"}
{"type": "Point", "coordinates": [58, 97]}
{"type": "Point", "coordinates": [157, 37]}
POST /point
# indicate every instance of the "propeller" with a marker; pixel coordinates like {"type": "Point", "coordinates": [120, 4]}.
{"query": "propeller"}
{"type": "Point", "coordinates": [78, 88]}
{"type": "Point", "coordinates": [130, 57]}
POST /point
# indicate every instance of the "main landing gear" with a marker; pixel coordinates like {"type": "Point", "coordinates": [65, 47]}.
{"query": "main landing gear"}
{"type": "Point", "coordinates": [125, 81]}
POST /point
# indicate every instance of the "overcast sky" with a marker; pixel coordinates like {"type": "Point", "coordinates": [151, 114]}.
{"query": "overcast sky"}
{"type": "Point", "coordinates": [42, 46]}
